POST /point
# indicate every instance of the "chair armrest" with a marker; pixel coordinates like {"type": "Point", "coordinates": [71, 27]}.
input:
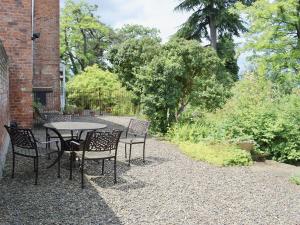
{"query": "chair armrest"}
{"type": "Point", "coordinates": [47, 142]}
{"type": "Point", "coordinates": [75, 143]}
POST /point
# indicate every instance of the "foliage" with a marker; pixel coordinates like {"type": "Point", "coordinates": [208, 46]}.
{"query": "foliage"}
{"type": "Point", "coordinates": [83, 38]}
{"type": "Point", "coordinates": [257, 112]}
{"type": "Point", "coordinates": [135, 31]}
{"type": "Point", "coordinates": [295, 179]}
{"type": "Point", "coordinates": [137, 46]}
{"type": "Point", "coordinates": [217, 154]}
{"type": "Point", "coordinates": [183, 73]}
{"type": "Point", "coordinates": [210, 19]}
{"type": "Point", "coordinates": [274, 39]}
{"type": "Point", "coordinates": [226, 52]}
{"type": "Point", "coordinates": [93, 84]}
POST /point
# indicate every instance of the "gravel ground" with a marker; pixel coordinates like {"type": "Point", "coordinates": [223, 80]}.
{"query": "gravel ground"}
{"type": "Point", "coordinates": [169, 188]}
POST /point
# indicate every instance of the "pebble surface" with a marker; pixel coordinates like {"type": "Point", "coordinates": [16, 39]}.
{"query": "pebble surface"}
{"type": "Point", "coordinates": [169, 188]}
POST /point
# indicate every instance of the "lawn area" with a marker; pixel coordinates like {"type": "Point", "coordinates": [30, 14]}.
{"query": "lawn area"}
{"type": "Point", "coordinates": [217, 154]}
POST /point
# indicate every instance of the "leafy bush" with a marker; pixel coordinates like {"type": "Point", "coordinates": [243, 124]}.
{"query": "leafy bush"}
{"type": "Point", "coordinates": [95, 88]}
{"type": "Point", "coordinates": [182, 73]}
{"type": "Point", "coordinates": [295, 179]}
{"type": "Point", "coordinates": [217, 154]}
{"type": "Point", "coordinates": [257, 112]}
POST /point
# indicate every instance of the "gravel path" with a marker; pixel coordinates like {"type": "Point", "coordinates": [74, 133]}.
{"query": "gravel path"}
{"type": "Point", "coordinates": [169, 188]}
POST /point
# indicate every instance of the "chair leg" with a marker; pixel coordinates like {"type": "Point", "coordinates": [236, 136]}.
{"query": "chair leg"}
{"type": "Point", "coordinates": [102, 166]}
{"type": "Point", "coordinates": [144, 152]}
{"type": "Point", "coordinates": [48, 145]}
{"type": "Point", "coordinates": [13, 167]}
{"type": "Point", "coordinates": [82, 178]}
{"type": "Point", "coordinates": [58, 169]}
{"type": "Point", "coordinates": [130, 147]}
{"type": "Point", "coordinates": [34, 165]}
{"type": "Point", "coordinates": [36, 169]}
{"type": "Point", "coordinates": [71, 164]}
{"type": "Point", "coordinates": [115, 171]}
{"type": "Point", "coordinates": [125, 151]}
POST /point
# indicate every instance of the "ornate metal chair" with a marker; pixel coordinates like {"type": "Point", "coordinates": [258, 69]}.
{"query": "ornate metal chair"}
{"type": "Point", "coordinates": [99, 146]}
{"type": "Point", "coordinates": [25, 144]}
{"type": "Point", "coordinates": [69, 146]}
{"type": "Point", "coordinates": [136, 133]}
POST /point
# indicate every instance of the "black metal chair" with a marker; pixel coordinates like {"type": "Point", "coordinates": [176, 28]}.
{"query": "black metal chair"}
{"type": "Point", "coordinates": [66, 146]}
{"type": "Point", "coordinates": [136, 133]}
{"type": "Point", "coordinates": [25, 144]}
{"type": "Point", "coordinates": [99, 146]}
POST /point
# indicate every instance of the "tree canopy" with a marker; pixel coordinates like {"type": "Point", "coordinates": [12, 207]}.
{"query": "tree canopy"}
{"type": "Point", "coordinates": [274, 39]}
{"type": "Point", "coordinates": [136, 48]}
{"type": "Point", "coordinates": [85, 88]}
{"type": "Point", "coordinates": [210, 19]}
{"type": "Point", "coordinates": [182, 73]}
{"type": "Point", "coordinates": [83, 37]}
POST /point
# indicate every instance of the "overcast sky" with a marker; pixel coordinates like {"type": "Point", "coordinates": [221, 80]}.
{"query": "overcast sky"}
{"type": "Point", "coordinates": [152, 13]}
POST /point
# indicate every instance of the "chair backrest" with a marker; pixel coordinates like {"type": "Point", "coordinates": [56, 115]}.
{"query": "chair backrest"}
{"type": "Point", "coordinates": [65, 145]}
{"type": "Point", "coordinates": [138, 127]}
{"type": "Point", "coordinates": [22, 138]}
{"type": "Point", "coordinates": [102, 141]}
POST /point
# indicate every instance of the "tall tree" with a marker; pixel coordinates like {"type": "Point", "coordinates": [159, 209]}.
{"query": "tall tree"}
{"type": "Point", "coordinates": [210, 19]}
{"type": "Point", "coordinates": [183, 73]}
{"type": "Point", "coordinates": [83, 38]}
{"type": "Point", "coordinates": [136, 31]}
{"type": "Point", "coordinates": [134, 48]}
{"type": "Point", "coordinates": [274, 39]}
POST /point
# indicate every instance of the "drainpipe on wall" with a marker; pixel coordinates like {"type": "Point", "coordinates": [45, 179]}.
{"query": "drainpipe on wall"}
{"type": "Point", "coordinates": [32, 33]}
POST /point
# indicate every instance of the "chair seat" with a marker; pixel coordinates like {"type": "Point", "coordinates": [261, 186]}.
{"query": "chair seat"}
{"type": "Point", "coordinates": [133, 140]}
{"type": "Point", "coordinates": [64, 135]}
{"type": "Point", "coordinates": [97, 155]}
{"type": "Point", "coordinates": [32, 152]}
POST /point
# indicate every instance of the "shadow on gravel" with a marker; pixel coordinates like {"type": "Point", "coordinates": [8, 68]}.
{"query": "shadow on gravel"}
{"type": "Point", "coordinates": [150, 160]}
{"type": "Point", "coordinates": [52, 201]}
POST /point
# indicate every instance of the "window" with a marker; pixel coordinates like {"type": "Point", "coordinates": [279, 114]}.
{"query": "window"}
{"type": "Point", "coordinates": [40, 96]}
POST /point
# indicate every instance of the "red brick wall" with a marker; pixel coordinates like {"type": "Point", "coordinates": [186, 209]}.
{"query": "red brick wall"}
{"type": "Point", "coordinates": [46, 51]}
{"type": "Point", "coordinates": [4, 103]}
{"type": "Point", "coordinates": [15, 32]}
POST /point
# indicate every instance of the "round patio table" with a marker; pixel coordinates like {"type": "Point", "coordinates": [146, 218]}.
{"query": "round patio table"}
{"type": "Point", "coordinates": [72, 126]}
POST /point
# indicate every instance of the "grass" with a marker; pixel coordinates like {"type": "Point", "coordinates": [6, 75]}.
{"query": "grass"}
{"type": "Point", "coordinates": [219, 154]}
{"type": "Point", "coordinates": [295, 179]}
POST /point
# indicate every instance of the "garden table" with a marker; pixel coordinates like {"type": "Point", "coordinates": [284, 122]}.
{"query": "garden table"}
{"type": "Point", "coordinates": [72, 126]}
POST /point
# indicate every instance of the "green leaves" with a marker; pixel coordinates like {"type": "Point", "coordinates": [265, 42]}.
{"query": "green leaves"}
{"type": "Point", "coordinates": [274, 38]}
{"type": "Point", "coordinates": [183, 73]}
{"type": "Point", "coordinates": [255, 111]}
{"type": "Point", "coordinates": [212, 14]}
{"type": "Point", "coordinates": [83, 38]}
{"type": "Point", "coordinates": [85, 88]}
{"type": "Point", "coordinates": [135, 49]}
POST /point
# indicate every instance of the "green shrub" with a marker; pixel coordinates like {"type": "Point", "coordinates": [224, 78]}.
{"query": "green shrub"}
{"type": "Point", "coordinates": [255, 111]}
{"type": "Point", "coordinates": [295, 180]}
{"type": "Point", "coordinates": [217, 153]}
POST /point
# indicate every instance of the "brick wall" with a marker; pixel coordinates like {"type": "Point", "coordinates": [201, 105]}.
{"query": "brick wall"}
{"type": "Point", "coordinates": [46, 50]}
{"type": "Point", "coordinates": [15, 32]}
{"type": "Point", "coordinates": [4, 103]}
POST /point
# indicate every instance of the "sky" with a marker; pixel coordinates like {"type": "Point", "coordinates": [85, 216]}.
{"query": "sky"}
{"type": "Point", "coordinates": [151, 13]}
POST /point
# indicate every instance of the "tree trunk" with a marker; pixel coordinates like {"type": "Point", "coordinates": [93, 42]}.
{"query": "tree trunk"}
{"type": "Point", "coordinates": [213, 32]}
{"type": "Point", "coordinates": [69, 52]}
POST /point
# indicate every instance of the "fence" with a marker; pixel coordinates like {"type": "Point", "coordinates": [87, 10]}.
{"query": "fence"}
{"type": "Point", "coordinates": [116, 102]}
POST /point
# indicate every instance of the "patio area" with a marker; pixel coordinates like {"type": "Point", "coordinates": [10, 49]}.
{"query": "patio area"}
{"type": "Point", "coordinates": [169, 188]}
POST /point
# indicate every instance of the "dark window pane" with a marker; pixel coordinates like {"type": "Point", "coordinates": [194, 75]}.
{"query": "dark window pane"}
{"type": "Point", "coordinates": [40, 96]}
